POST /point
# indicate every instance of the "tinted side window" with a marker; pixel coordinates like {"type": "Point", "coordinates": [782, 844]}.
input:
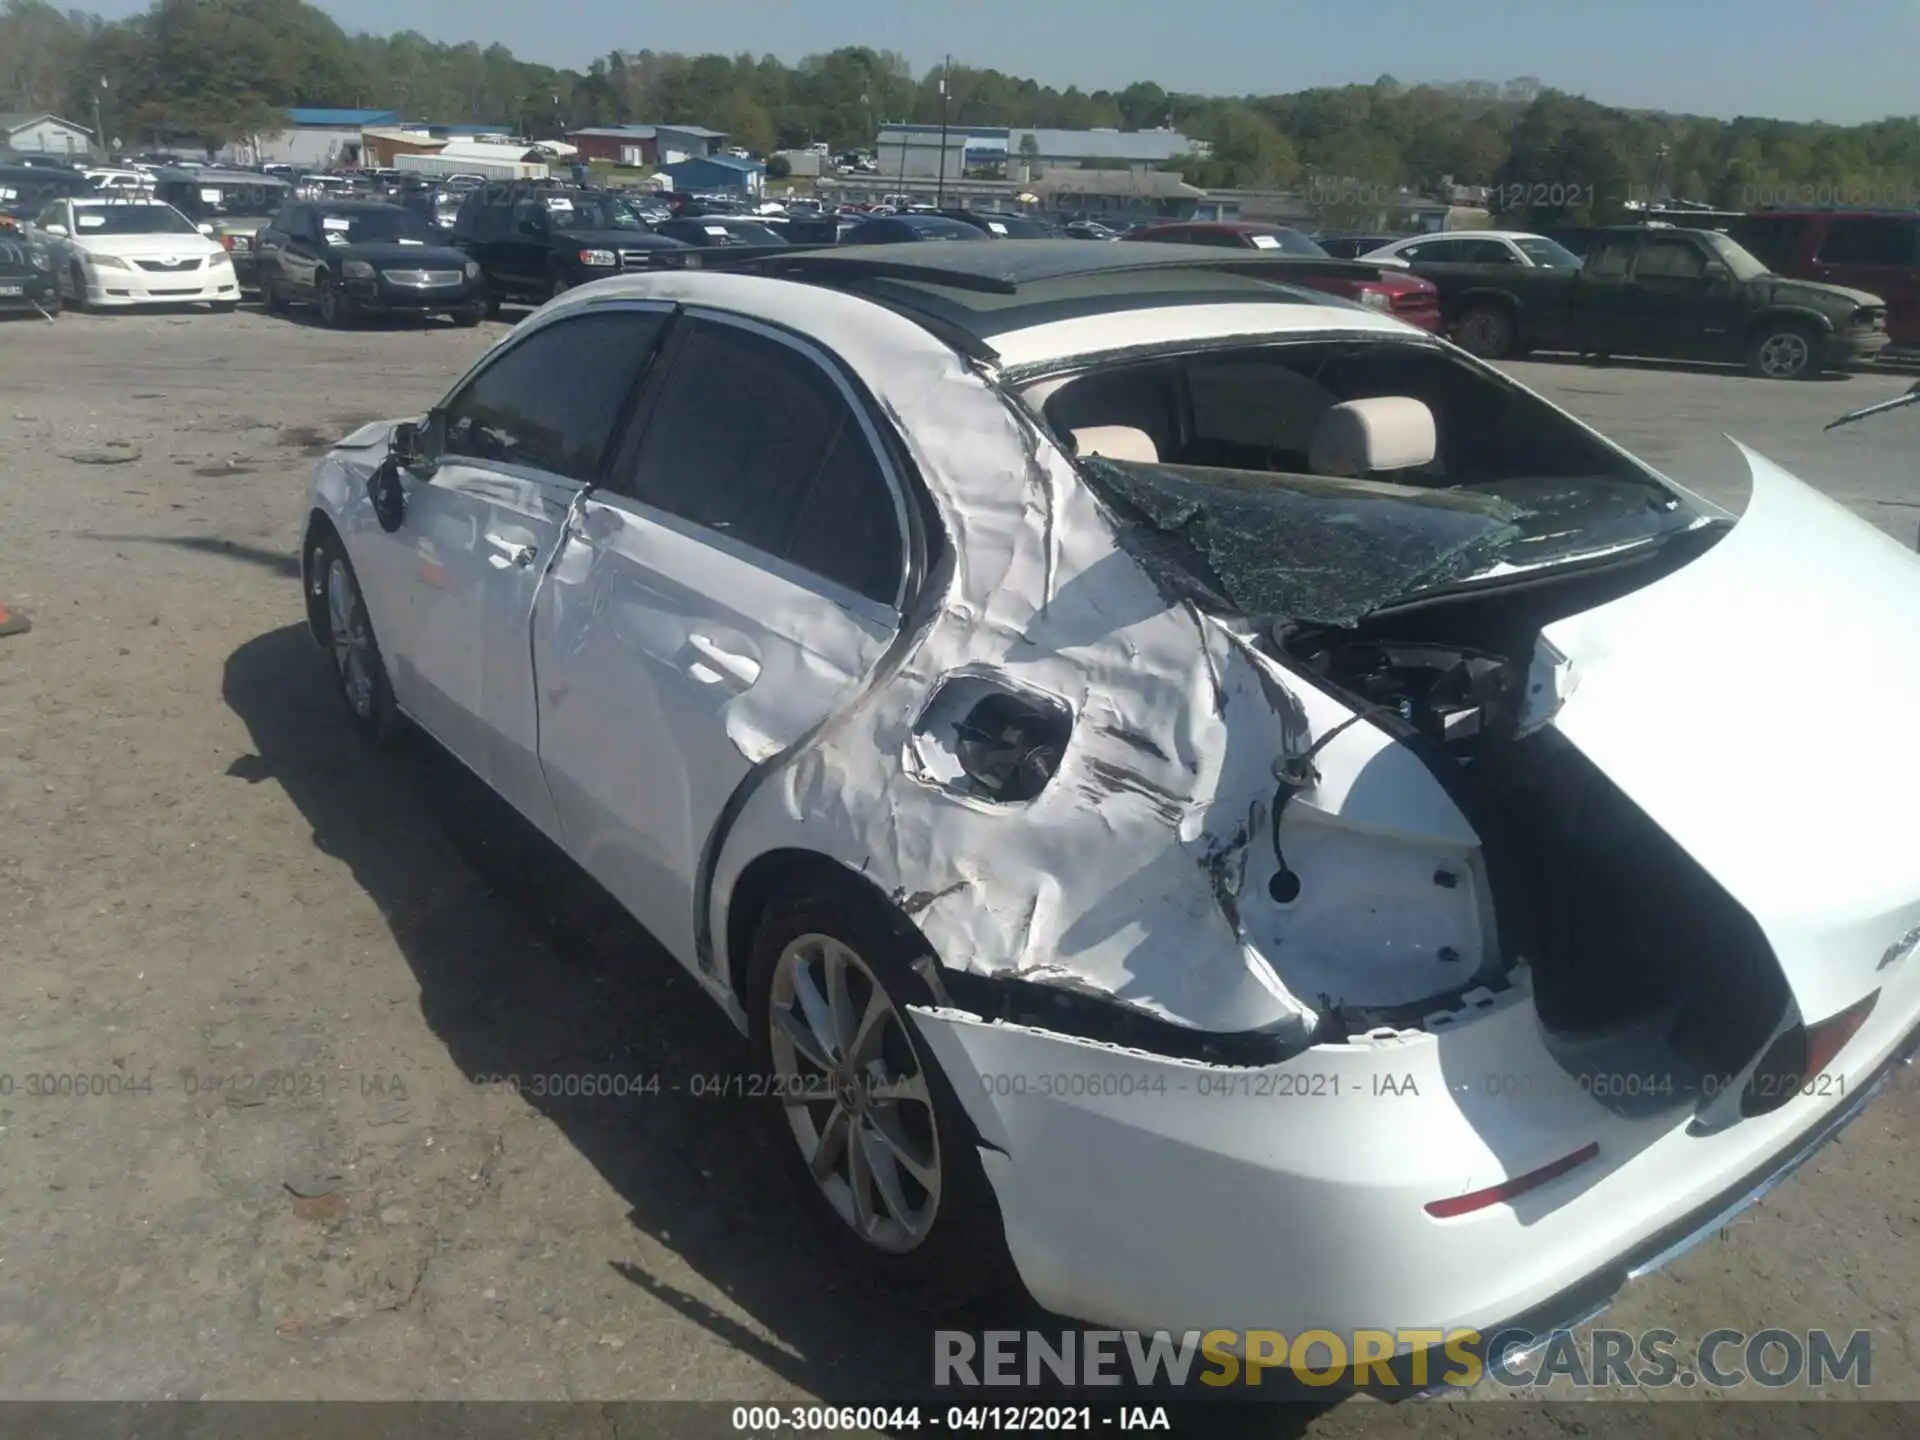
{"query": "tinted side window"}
{"type": "Point", "coordinates": [1669, 260]}
{"type": "Point", "coordinates": [1609, 258]}
{"type": "Point", "coordinates": [848, 529]}
{"type": "Point", "coordinates": [551, 401]}
{"type": "Point", "coordinates": [1487, 252]}
{"type": "Point", "coordinates": [1771, 239]}
{"type": "Point", "coordinates": [1872, 241]}
{"type": "Point", "coordinates": [749, 435]}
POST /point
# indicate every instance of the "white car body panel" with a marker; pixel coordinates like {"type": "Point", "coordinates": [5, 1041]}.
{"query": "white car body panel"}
{"type": "Point", "coordinates": [825, 739]}
{"type": "Point", "coordinates": [1798, 830]}
{"type": "Point", "coordinates": [656, 639]}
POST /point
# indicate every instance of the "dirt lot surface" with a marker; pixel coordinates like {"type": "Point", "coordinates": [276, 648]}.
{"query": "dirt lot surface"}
{"type": "Point", "coordinates": [298, 964]}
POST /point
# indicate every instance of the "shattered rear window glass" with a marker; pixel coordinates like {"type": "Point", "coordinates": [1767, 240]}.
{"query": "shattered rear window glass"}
{"type": "Point", "coordinates": [1305, 547]}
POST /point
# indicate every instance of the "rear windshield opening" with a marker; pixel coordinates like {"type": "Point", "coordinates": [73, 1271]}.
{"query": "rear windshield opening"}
{"type": "Point", "coordinates": [1210, 464]}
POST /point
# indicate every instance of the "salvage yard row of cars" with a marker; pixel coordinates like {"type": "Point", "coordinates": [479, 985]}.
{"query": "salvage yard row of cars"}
{"type": "Point", "coordinates": [1389, 697]}
{"type": "Point", "coordinates": [1650, 290]}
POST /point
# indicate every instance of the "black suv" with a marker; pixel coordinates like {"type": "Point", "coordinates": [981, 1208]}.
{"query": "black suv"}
{"type": "Point", "coordinates": [534, 239]}
{"type": "Point", "coordinates": [350, 258]}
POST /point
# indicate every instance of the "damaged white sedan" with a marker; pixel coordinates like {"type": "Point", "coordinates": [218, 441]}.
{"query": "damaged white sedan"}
{"type": "Point", "coordinates": [1206, 798]}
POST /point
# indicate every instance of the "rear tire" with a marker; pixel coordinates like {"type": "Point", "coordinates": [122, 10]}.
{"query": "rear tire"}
{"type": "Point", "coordinates": [928, 1224]}
{"type": "Point", "coordinates": [335, 603]}
{"type": "Point", "coordinates": [1486, 331]}
{"type": "Point", "coordinates": [271, 300]}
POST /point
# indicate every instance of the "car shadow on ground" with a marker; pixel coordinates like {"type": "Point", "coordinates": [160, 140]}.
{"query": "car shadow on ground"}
{"type": "Point", "coordinates": [1695, 367]}
{"type": "Point", "coordinates": [527, 968]}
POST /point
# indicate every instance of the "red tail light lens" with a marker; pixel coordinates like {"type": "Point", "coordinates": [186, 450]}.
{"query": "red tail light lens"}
{"type": "Point", "coordinates": [1457, 1205]}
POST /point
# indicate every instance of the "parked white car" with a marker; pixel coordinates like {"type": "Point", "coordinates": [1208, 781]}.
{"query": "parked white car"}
{"type": "Point", "coordinates": [1204, 797]}
{"type": "Point", "coordinates": [1480, 247]}
{"type": "Point", "coordinates": [121, 182]}
{"type": "Point", "coordinates": [110, 253]}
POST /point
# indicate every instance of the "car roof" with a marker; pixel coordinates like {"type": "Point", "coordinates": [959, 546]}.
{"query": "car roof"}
{"type": "Point", "coordinates": [1470, 235]}
{"type": "Point", "coordinates": [977, 298]}
{"type": "Point", "coordinates": [348, 206]}
{"type": "Point", "coordinates": [1235, 227]}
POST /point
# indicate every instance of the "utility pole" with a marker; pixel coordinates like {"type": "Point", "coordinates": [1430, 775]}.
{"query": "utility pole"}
{"type": "Point", "coordinates": [940, 188]}
{"type": "Point", "coordinates": [99, 126]}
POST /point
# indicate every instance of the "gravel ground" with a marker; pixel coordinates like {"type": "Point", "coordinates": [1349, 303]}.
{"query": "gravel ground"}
{"type": "Point", "coordinates": [298, 964]}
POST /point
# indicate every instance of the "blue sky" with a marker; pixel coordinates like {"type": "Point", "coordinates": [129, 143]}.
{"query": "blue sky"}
{"type": "Point", "coordinates": [1791, 59]}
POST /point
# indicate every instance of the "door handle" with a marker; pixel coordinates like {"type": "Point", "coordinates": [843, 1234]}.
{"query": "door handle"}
{"type": "Point", "coordinates": [743, 670]}
{"type": "Point", "coordinates": [512, 552]}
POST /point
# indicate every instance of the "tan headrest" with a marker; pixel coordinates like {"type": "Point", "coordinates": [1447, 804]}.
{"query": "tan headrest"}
{"type": "Point", "coordinates": [1116, 442]}
{"type": "Point", "coordinates": [1388, 432]}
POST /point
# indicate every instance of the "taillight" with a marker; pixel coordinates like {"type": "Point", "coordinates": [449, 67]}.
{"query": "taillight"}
{"type": "Point", "coordinates": [1456, 1205]}
{"type": "Point", "coordinates": [1794, 1063]}
{"type": "Point", "coordinates": [1374, 298]}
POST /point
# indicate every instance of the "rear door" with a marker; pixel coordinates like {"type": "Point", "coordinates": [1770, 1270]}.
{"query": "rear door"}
{"type": "Point", "coordinates": [730, 587]}
{"type": "Point", "coordinates": [1881, 255]}
{"type": "Point", "coordinates": [1592, 314]}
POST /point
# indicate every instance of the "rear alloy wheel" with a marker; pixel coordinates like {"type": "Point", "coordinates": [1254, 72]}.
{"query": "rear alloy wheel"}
{"type": "Point", "coordinates": [1784, 352]}
{"type": "Point", "coordinates": [873, 1129]}
{"type": "Point", "coordinates": [1486, 331]}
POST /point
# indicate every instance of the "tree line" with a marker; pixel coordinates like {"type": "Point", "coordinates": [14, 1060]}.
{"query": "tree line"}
{"type": "Point", "coordinates": [215, 70]}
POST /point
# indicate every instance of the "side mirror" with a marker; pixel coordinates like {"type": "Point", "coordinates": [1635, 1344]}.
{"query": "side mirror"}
{"type": "Point", "coordinates": [54, 229]}
{"type": "Point", "coordinates": [1717, 270]}
{"type": "Point", "coordinates": [408, 445]}
{"type": "Point", "coordinates": [204, 228]}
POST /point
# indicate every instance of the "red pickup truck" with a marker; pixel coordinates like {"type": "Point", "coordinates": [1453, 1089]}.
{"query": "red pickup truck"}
{"type": "Point", "coordinates": [1400, 294]}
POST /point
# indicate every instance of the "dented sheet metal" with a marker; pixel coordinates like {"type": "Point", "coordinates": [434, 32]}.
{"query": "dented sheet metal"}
{"type": "Point", "coordinates": [1139, 874]}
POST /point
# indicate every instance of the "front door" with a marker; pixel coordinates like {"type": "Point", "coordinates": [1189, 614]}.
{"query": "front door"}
{"type": "Point", "coordinates": [730, 587]}
{"type": "Point", "coordinates": [513, 447]}
{"type": "Point", "coordinates": [1675, 307]}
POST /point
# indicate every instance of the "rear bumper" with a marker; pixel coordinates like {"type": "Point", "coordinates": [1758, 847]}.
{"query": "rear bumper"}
{"type": "Point", "coordinates": [1145, 1193]}
{"type": "Point", "coordinates": [1519, 1338]}
{"type": "Point", "coordinates": [33, 290]}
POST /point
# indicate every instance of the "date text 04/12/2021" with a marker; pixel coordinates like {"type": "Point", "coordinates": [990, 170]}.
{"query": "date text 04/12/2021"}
{"type": "Point", "coordinates": [1057, 1419]}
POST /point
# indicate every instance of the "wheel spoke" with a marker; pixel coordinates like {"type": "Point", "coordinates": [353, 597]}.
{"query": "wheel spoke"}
{"type": "Point", "coordinates": [879, 1157]}
{"type": "Point", "coordinates": [840, 1000]}
{"type": "Point", "coordinates": [814, 1006]}
{"type": "Point", "coordinates": [832, 1142]}
{"type": "Point", "coordinates": [873, 1025]}
{"type": "Point", "coordinates": [860, 1178]}
{"type": "Point", "coordinates": [901, 1089]}
{"type": "Point", "coordinates": [804, 1037]}
{"type": "Point", "coordinates": [922, 1168]}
